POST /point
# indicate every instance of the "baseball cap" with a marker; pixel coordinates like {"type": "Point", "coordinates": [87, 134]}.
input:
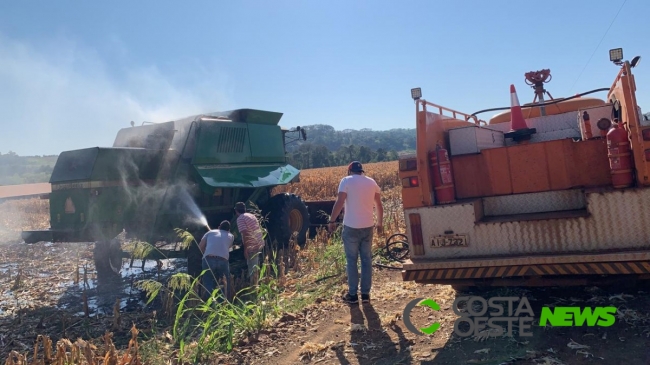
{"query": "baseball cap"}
{"type": "Point", "coordinates": [355, 166]}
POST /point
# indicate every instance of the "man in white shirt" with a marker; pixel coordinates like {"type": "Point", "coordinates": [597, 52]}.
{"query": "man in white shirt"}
{"type": "Point", "coordinates": [215, 246]}
{"type": "Point", "coordinates": [359, 194]}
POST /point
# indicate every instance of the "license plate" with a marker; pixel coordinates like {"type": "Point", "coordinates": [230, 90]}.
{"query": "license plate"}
{"type": "Point", "coordinates": [449, 240]}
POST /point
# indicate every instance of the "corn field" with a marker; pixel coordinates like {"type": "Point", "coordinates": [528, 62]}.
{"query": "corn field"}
{"type": "Point", "coordinates": [322, 184]}
{"type": "Point", "coordinates": [24, 214]}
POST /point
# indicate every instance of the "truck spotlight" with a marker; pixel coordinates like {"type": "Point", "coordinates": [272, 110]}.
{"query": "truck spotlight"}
{"type": "Point", "coordinates": [635, 61]}
{"type": "Point", "coordinates": [616, 55]}
{"type": "Point", "coordinates": [416, 93]}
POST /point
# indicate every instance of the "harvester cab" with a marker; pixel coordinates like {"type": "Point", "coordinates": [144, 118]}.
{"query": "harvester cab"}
{"type": "Point", "coordinates": [556, 191]}
{"type": "Point", "coordinates": [185, 174]}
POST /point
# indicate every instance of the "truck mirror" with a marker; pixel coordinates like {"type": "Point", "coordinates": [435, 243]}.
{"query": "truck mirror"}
{"type": "Point", "coordinates": [304, 134]}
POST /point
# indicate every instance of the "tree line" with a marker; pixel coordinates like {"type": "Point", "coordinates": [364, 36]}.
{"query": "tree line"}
{"type": "Point", "coordinates": [16, 169]}
{"type": "Point", "coordinates": [309, 156]}
{"type": "Point", "coordinates": [327, 147]}
{"type": "Point", "coordinates": [399, 139]}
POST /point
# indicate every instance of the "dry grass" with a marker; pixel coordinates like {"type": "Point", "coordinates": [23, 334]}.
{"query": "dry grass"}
{"type": "Point", "coordinates": [79, 352]}
{"type": "Point", "coordinates": [311, 350]}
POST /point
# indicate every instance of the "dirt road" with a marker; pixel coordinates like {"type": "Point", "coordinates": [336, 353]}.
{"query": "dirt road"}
{"type": "Point", "coordinates": [334, 333]}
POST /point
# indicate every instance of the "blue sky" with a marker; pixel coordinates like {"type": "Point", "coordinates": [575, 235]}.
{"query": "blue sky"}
{"type": "Point", "coordinates": [73, 73]}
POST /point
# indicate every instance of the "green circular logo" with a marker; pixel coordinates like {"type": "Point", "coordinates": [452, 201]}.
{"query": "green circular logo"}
{"type": "Point", "coordinates": [407, 316]}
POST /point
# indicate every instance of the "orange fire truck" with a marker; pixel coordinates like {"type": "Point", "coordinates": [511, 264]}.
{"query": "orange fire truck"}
{"type": "Point", "coordinates": [552, 192]}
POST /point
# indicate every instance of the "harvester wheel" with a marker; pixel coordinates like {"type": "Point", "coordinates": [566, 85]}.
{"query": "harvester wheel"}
{"type": "Point", "coordinates": [108, 257]}
{"type": "Point", "coordinates": [288, 215]}
{"type": "Point", "coordinates": [194, 257]}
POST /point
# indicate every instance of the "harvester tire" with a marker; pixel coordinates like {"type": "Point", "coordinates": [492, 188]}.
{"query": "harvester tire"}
{"type": "Point", "coordinates": [108, 257]}
{"type": "Point", "coordinates": [194, 258]}
{"type": "Point", "coordinates": [288, 214]}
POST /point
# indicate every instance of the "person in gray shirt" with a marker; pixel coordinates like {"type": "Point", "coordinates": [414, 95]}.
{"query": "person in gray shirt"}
{"type": "Point", "coordinates": [215, 246]}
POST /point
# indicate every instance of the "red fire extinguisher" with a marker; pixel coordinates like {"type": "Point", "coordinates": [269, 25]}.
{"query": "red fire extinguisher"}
{"type": "Point", "coordinates": [620, 157]}
{"type": "Point", "coordinates": [443, 181]}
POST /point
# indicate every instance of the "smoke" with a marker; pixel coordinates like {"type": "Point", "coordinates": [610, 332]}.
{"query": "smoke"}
{"type": "Point", "coordinates": [149, 192]}
{"type": "Point", "coordinates": [59, 95]}
{"type": "Point", "coordinates": [151, 199]}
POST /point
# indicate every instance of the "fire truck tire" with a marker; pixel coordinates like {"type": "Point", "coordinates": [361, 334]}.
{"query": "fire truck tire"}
{"type": "Point", "coordinates": [288, 215]}
{"type": "Point", "coordinates": [107, 255]}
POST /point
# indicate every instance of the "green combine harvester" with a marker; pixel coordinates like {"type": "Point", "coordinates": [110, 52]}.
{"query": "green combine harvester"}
{"type": "Point", "coordinates": [159, 177]}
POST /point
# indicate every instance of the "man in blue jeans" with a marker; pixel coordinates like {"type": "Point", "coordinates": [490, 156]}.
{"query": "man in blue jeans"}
{"type": "Point", "coordinates": [215, 246]}
{"type": "Point", "coordinates": [358, 194]}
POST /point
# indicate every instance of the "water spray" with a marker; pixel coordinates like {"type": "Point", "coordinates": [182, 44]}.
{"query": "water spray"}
{"type": "Point", "coordinates": [193, 209]}
{"type": "Point", "coordinates": [205, 222]}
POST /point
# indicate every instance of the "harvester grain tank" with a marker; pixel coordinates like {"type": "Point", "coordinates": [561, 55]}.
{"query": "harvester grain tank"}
{"type": "Point", "coordinates": [185, 174]}
{"type": "Point", "coordinates": [538, 199]}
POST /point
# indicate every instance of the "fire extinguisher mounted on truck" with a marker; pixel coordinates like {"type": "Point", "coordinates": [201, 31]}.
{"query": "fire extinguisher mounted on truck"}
{"type": "Point", "coordinates": [533, 196]}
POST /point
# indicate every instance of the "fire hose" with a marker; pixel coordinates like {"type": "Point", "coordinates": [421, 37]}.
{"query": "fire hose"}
{"type": "Point", "coordinates": [394, 250]}
{"type": "Point", "coordinates": [556, 101]}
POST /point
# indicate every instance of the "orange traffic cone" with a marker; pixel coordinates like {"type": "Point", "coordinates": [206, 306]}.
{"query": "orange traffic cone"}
{"type": "Point", "coordinates": [519, 130]}
{"type": "Point", "coordinates": [517, 120]}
